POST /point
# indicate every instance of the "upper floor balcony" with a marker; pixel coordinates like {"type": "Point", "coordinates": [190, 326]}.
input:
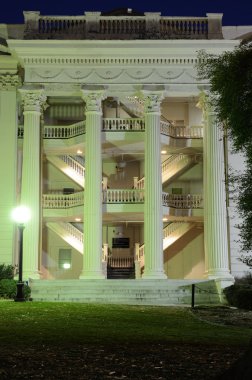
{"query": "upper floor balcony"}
{"type": "Point", "coordinates": [122, 24]}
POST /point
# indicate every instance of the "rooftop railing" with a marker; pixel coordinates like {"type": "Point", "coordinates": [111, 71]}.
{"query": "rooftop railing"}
{"type": "Point", "coordinates": [93, 25]}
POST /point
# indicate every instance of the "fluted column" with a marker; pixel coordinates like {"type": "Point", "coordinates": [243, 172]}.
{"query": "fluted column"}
{"type": "Point", "coordinates": [215, 213]}
{"type": "Point", "coordinates": [33, 103]}
{"type": "Point", "coordinates": [153, 225]}
{"type": "Point", "coordinates": [92, 257]}
{"type": "Point", "coordinates": [8, 164]}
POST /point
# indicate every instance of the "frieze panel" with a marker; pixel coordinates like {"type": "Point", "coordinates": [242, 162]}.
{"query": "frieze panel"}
{"type": "Point", "coordinates": [106, 74]}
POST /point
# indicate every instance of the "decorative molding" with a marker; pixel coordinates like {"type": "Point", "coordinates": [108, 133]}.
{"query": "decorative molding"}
{"type": "Point", "coordinates": [170, 73]}
{"type": "Point", "coordinates": [139, 73]}
{"type": "Point", "coordinates": [33, 100]}
{"type": "Point", "coordinates": [9, 82]}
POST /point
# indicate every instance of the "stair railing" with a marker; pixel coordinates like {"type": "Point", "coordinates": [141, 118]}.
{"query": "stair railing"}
{"type": "Point", "coordinates": [182, 201]}
{"type": "Point", "coordinates": [193, 132]}
{"type": "Point", "coordinates": [73, 231]}
{"type": "Point", "coordinates": [75, 165]}
{"type": "Point", "coordinates": [121, 262]}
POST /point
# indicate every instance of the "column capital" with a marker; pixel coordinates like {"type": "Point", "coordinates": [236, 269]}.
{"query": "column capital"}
{"type": "Point", "coordinates": [152, 101]}
{"type": "Point", "coordinates": [93, 99]}
{"type": "Point", "coordinates": [205, 104]}
{"type": "Point", "coordinates": [33, 99]}
{"type": "Point", "coordinates": [9, 82]}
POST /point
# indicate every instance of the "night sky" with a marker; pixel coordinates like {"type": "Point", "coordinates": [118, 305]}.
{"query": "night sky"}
{"type": "Point", "coordinates": [236, 12]}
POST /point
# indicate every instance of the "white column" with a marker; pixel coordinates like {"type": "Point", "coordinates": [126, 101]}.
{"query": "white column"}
{"type": "Point", "coordinates": [8, 165]}
{"type": "Point", "coordinates": [92, 257]}
{"type": "Point", "coordinates": [215, 213]}
{"type": "Point", "coordinates": [33, 103]}
{"type": "Point", "coordinates": [153, 237]}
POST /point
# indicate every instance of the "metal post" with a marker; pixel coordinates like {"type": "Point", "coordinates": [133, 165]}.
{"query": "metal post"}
{"type": "Point", "coordinates": [193, 296]}
{"type": "Point", "coordinates": [20, 284]}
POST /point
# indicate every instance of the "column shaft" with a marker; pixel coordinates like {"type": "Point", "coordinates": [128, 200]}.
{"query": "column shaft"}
{"type": "Point", "coordinates": [153, 234]}
{"type": "Point", "coordinates": [8, 164]}
{"type": "Point", "coordinates": [92, 258]}
{"type": "Point", "coordinates": [215, 215]}
{"type": "Point", "coordinates": [30, 190]}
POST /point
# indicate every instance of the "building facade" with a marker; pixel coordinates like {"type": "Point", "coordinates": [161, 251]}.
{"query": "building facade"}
{"type": "Point", "coordinates": [107, 136]}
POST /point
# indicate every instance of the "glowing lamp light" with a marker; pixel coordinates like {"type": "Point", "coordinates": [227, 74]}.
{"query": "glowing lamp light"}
{"type": "Point", "coordinates": [66, 265]}
{"type": "Point", "coordinates": [163, 151]}
{"type": "Point", "coordinates": [21, 214]}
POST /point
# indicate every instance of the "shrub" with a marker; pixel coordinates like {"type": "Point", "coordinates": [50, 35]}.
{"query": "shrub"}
{"type": "Point", "coordinates": [8, 289]}
{"type": "Point", "coordinates": [6, 272]}
{"type": "Point", "coordinates": [240, 294]}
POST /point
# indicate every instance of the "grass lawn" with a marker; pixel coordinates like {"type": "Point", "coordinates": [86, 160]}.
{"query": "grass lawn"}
{"type": "Point", "coordinates": [35, 323]}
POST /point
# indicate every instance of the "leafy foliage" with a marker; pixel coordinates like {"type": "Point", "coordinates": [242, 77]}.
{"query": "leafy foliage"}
{"type": "Point", "coordinates": [6, 271]}
{"type": "Point", "coordinates": [240, 294]}
{"type": "Point", "coordinates": [8, 286]}
{"type": "Point", "coordinates": [230, 78]}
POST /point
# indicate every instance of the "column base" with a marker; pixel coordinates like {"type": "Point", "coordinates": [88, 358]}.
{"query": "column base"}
{"type": "Point", "coordinates": [31, 275]}
{"type": "Point", "coordinates": [154, 275]}
{"type": "Point", "coordinates": [219, 275]}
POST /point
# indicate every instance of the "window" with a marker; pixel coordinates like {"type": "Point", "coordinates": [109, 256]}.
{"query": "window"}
{"type": "Point", "coordinates": [65, 258]}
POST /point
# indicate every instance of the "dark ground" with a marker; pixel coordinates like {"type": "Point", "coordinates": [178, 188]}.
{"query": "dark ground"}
{"type": "Point", "coordinates": [152, 362]}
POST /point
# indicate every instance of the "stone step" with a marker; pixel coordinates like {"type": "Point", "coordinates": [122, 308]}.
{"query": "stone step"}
{"type": "Point", "coordinates": [131, 292]}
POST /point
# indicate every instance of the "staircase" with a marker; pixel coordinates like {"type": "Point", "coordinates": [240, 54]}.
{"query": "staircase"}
{"type": "Point", "coordinates": [175, 231]}
{"type": "Point", "coordinates": [68, 233]}
{"type": "Point", "coordinates": [133, 292]}
{"type": "Point", "coordinates": [117, 273]}
{"type": "Point", "coordinates": [173, 167]}
{"type": "Point", "coordinates": [70, 166]}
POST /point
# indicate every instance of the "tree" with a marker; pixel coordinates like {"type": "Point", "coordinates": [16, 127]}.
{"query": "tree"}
{"type": "Point", "coordinates": [230, 83]}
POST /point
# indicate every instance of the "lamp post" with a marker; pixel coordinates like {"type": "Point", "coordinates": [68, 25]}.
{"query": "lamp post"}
{"type": "Point", "coordinates": [20, 215]}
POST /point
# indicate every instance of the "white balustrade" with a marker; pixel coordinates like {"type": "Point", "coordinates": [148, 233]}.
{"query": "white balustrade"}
{"type": "Point", "coordinates": [62, 200]}
{"type": "Point", "coordinates": [182, 201]}
{"type": "Point", "coordinates": [123, 196]}
{"type": "Point", "coordinates": [115, 125]}
{"type": "Point", "coordinates": [128, 124]}
{"type": "Point", "coordinates": [64, 132]}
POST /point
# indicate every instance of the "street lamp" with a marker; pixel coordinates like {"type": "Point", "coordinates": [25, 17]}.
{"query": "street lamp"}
{"type": "Point", "coordinates": [20, 215]}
